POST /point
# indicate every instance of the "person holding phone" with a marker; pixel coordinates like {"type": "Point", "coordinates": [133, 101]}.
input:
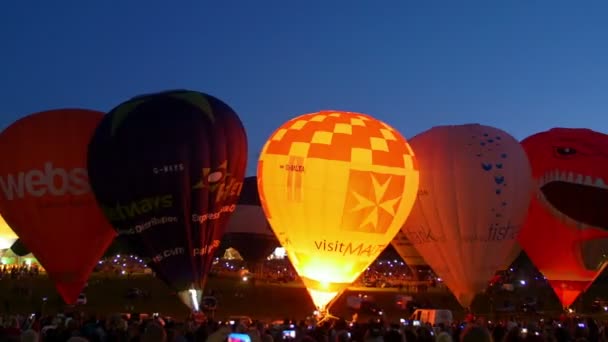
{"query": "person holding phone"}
{"type": "Point", "coordinates": [238, 337]}
{"type": "Point", "coordinates": [289, 334]}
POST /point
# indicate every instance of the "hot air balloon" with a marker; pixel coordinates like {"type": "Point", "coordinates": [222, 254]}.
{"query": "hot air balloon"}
{"type": "Point", "coordinates": [566, 232]}
{"type": "Point", "coordinates": [408, 253]}
{"type": "Point", "coordinates": [167, 170]}
{"type": "Point", "coordinates": [335, 187]}
{"type": "Point", "coordinates": [7, 236]}
{"type": "Point", "coordinates": [45, 195]}
{"type": "Point", "coordinates": [474, 193]}
{"type": "Point", "coordinates": [248, 230]}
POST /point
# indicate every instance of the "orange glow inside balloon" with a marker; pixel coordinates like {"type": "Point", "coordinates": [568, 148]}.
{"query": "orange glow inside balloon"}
{"type": "Point", "coordinates": [335, 187]}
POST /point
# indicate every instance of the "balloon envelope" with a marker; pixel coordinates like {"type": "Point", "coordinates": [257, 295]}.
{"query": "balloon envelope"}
{"type": "Point", "coordinates": [45, 194]}
{"type": "Point", "coordinates": [474, 193]}
{"type": "Point", "coordinates": [566, 232]}
{"type": "Point", "coordinates": [248, 230]}
{"type": "Point", "coordinates": [336, 187]}
{"type": "Point", "coordinates": [167, 169]}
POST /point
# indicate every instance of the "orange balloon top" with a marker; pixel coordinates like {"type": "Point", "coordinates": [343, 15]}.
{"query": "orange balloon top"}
{"type": "Point", "coordinates": [356, 138]}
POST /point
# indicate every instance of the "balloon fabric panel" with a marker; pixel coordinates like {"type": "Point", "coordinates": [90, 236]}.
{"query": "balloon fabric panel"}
{"type": "Point", "coordinates": [168, 169]}
{"type": "Point", "coordinates": [336, 187]}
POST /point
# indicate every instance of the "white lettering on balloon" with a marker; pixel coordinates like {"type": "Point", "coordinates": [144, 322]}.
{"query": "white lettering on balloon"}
{"type": "Point", "coordinates": [177, 251]}
{"type": "Point", "coordinates": [167, 253]}
{"type": "Point", "coordinates": [155, 221]}
{"type": "Point", "coordinates": [51, 181]}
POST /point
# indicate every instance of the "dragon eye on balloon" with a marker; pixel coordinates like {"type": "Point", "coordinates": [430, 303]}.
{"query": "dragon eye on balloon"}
{"type": "Point", "coordinates": [564, 152]}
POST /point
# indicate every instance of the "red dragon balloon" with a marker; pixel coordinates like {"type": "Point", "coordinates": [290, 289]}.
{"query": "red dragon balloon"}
{"type": "Point", "coordinates": [566, 232]}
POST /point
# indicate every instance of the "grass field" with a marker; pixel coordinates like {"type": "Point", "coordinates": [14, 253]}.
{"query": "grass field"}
{"type": "Point", "coordinates": [265, 301]}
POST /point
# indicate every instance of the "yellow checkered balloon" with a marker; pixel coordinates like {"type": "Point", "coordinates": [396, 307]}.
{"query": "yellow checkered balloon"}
{"type": "Point", "coordinates": [336, 188]}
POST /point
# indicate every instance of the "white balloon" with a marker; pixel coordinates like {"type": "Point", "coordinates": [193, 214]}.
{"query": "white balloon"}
{"type": "Point", "coordinates": [475, 187]}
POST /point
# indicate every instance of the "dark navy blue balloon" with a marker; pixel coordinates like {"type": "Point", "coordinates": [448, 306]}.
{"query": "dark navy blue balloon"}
{"type": "Point", "coordinates": [167, 170]}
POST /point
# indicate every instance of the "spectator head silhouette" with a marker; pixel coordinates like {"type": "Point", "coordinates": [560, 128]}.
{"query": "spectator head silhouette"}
{"type": "Point", "coordinates": [475, 333]}
{"type": "Point", "coordinates": [154, 333]}
{"type": "Point", "coordinates": [29, 336]}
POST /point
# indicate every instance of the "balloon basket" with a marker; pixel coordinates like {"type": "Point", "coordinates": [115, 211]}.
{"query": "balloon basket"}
{"type": "Point", "coordinates": [322, 313]}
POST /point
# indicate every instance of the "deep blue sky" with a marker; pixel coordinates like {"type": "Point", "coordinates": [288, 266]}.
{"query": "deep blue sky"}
{"type": "Point", "coordinates": [520, 65]}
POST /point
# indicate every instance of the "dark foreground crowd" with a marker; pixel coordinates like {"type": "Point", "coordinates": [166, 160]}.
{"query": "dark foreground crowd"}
{"type": "Point", "coordinates": [117, 328]}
